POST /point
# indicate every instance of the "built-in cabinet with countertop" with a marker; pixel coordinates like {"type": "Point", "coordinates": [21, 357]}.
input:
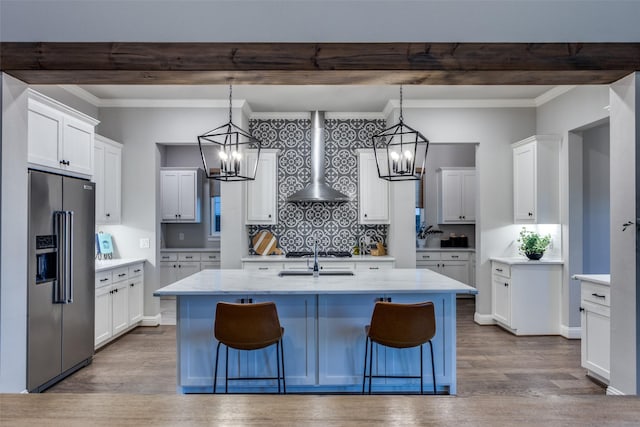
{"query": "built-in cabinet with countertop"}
{"type": "Point", "coordinates": [119, 303]}
{"type": "Point", "coordinates": [456, 195]}
{"type": "Point", "coordinates": [181, 194]}
{"type": "Point", "coordinates": [536, 183]}
{"type": "Point", "coordinates": [595, 308]}
{"type": "Point", "coordinates": [525, 295]}
{"type": "Point", "coordinates": [107, 176]}
{"type": "Point", "coordinates": [262, 193]}
{"type": "Point", "coordinates": [59, 138]}
{"type": "Point", "coordinates": [176, 264]}
{"type": "Point", "coordinates": [455, 263]}
{"type": "Point", "coordinates": [373, 192]}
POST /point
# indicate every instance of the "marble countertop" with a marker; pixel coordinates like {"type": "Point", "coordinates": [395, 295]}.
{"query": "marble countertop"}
{"type": "Point", "coordinates": [189, 249]}
{"type": "Point", "coordinates": [602, 279]}
{"type": "Point", "coordinates": [527, 261]}
{"type": "Point", "coordinates": [282, 258]}
{"type": "Point", "coordinates": [445, 249]}
{"type": "Point", "coordinates": [108, 264]}
{"type": "Point", "coordinates": [221, 282]}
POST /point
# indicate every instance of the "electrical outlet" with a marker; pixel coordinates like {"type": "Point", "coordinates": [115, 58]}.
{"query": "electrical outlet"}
{"type": "Point", "coordinates": [144, 243]}
{"type": "Point", "coordinates": [181, 236]}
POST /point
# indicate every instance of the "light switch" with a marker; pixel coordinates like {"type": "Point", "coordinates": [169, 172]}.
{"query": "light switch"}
{"type": "Point", "coordinates": [144, 243]}
{"type": "Point", "coordinates": [181, 236]}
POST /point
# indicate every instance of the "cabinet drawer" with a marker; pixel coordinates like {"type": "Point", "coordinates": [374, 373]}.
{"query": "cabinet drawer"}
{"type": "Point", "coordinates": [136, 270]}
{"type": "Point", "coordinates": [428, 256]}
{"type": "Point", "coordinates": [189, 256]}
{"type": "Point", "coordinates": [103, 278]}
{"type": "Point", "coordinates": [337, 265]}
{"type": "Point", "coordinates": [454, 256]}
{"type": "Point", "coordinates": [501, 269]}
{"type": "Point", "coordinates": [209, 256]}
{"type": "Point", "coordinates": [262, 266]}
{"type": "Point", "coordinates": [597, 294]}
{"type": "Point", "coordinates": [120, 274]}
{"type": "Point", "coordinates": [373, 266]}
{"type": "Point", "coordinates": [168, 256]}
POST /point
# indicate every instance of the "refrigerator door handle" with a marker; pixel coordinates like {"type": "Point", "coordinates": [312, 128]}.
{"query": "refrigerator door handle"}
{"type": "Point", "coordinates": [60, 283]}
{"type": "Point", "coordinates": [69, 258]}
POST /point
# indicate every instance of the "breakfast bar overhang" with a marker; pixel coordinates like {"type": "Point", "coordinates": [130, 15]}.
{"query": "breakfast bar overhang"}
{"type": "Point", "coordinates": [324, 319]}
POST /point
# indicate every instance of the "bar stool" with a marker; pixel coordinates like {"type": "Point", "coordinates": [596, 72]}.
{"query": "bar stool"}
{"type": "Point", "coordinates": [400, 326]}
{"type": "Point", "coordinates": [248, 327]}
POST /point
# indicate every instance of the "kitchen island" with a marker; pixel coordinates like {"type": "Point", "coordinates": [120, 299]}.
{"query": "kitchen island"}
{"type": "Point", "coordinates": [324, 321]}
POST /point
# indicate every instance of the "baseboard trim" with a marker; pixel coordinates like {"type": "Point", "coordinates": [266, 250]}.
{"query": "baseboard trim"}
{"type": "Point", "coordinates": [483, 319]}
{"type": "Point", "coordinates": [572, 333]}
{"type": "Point", "coordinates": [150, 320]}
{"type": "Point", "coordinates": [611, 391]}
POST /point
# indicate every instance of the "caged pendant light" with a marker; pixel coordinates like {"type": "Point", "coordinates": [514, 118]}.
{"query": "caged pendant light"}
{"type": "Point", "coordinates": [222, 149]}
{"type": "Point", "coordinates": [397, 149]}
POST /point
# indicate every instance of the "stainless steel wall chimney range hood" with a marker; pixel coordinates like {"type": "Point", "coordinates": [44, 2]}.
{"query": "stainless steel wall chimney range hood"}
{"type": "Point", "coordinates": [317, 190]}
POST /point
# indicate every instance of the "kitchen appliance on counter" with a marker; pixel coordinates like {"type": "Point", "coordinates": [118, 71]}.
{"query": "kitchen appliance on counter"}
{"type": "Point", "coordinates": [61, 289]}
{"type": "Point", "coordinates": [323, 254]}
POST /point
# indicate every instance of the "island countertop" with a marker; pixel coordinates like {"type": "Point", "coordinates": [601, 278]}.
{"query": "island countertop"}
{"type": "Point", "coordinates": [221, 282]}
{"type": "Point", "coordinates": [602, 279]}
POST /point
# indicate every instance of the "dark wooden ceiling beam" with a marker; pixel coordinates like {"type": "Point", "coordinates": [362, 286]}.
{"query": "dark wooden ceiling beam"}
{"type": "Point", "coordinates": [319, 63]}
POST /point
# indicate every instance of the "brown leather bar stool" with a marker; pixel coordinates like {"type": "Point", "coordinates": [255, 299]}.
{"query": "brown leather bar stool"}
{"type": "Point", "coordinates": [400, 326]}
{"type": "Point", "coordinates": [248, 327]}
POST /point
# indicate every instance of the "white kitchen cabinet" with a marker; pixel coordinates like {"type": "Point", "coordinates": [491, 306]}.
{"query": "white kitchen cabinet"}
{"type": "Point", "coordinates": [451, 264]}
{"type": "Point", "coordinates": [107, 176]}
{"type": "Point", "coordinates": [262, 193]}
{"type": "Point", "coordinates": [456, 195]}
{"type": "Point", "coordinates": [373, 192]}
{"type": "Point", "coordinates": [525, 297]}
{"type": "Point", "coordinates": [59, 138]}
{"type": "Point", "coordinates": [181, 194]}
{"type": "Point", "coordinates": [595, 307]}
{"type": "Point", "coordinates": [119, 302]}
{"type": "Point", "coordinates": [176, 266]}
{"type": "Point", "coordinates": [536, 183]}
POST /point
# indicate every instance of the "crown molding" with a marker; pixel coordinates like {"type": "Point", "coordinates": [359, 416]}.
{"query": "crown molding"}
{"type": "Point", "coordinates": [552, 94]}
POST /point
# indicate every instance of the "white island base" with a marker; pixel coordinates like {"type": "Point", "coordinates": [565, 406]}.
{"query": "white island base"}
{"type": "Point", "coordinates": [324, 320]}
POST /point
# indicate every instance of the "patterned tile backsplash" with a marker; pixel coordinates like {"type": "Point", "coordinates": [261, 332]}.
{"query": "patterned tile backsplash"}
{"type": "Point", "coordinates": [334, 225]}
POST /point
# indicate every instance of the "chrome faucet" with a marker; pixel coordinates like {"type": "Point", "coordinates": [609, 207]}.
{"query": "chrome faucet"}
{"type": "Point", "coordinates": [316, 270]}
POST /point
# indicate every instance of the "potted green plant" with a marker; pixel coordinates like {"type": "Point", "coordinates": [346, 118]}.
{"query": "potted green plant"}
{"type": "Point", "coordinates": [532, 244]}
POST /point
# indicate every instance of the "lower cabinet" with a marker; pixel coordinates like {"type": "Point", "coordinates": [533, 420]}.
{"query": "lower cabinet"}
{"type": "Point", "coordinates": [596, 330]}
{"type": "Point", "coordinates": [456, 265]}
{"type": "Point", "coordinates": [525, 298]}
{"type": "Point", "coordinates": [119, 304]}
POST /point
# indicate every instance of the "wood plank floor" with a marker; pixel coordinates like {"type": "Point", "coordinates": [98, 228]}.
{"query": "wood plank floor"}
{"type": "Point", "coordinates": [503, 380]}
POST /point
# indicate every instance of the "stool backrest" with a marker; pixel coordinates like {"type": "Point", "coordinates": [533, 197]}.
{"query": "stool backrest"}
{"type": "Point", "coordinates": [247, 326]}
{"type": "Point", "coordinates": [402, 325]}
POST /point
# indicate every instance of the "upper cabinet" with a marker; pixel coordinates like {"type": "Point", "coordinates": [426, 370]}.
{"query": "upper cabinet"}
{"type": "Point", "coordinates": [181, 194]}
{"type": "Point", "coordinates": [456, 195]}
{"type": "Point", "coordinates": [373, 192]}
{"type": "Point", "coordinates": [60, 139]}
{"type": "Point", "coordinates": [536, 187]}
{"type": "Point", "coordinates": [262, 193]}
{"type": "Point", "coordinates": [107, 162]}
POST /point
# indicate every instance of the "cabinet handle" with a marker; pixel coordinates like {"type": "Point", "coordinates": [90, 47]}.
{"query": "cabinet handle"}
{"type": "Point", "coordinates": [365, 215]}
{"type": "Point", "coordinates": [115, 290]}
{"type": "Point", "coordinates": [132, 285]}
{"type": "Point", "coordinates": [455, 256]}
{"type": "Point", "coordinates": [530, 213]}
{"type": "Point", "coordinates": [65, 162]}
{"type": "Point", "coordinates": [499, 270]}
{"type": "Point", "coordinates": [104, 280]}
{"type": "Point", "coordinates": [269, 215]}
{"type": "Point", "coordinates": [374, 268]}
{"type": "Point", "coordinates": [246, 300]}
{"type": "Point", "coordinates": [581, 309]}
{"type": "Point", "coordinates": [188, 257]}
{"type": "Point", "coordinates": [626, 225]}
{"type": "Point", "coordinates": [263, 268]}
{"type": "Point", "coordinates": [426, 256]}
{"type": "Point", "coordinates": [506, 285]}
{"type": "Point", "coordinates": [108, 214]}
{"type": "Point", "coordinates": [136, 271]}
{"type": "Point", "coordinates": [179, 216]}
{"type": "Point", "coordinates": [179, 266]}
{"type": "Point", "coordinates": [122, 274]}
{"type": "Point", "coordinates": [598, 295]}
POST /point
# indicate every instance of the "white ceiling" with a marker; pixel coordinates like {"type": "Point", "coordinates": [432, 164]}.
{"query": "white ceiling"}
{"type": "Point", "coordinates": [271, 98]}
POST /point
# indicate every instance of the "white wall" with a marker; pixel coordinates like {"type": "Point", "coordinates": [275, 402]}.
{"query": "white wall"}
{"type": "Point", "coordinates": [566, 116]}
{"type": "Point", "coordinates": [13, 241]}
{"type": "Point", "coordinates": [319, 20]}
{"type": "Point", "coordinates": [494, 129]}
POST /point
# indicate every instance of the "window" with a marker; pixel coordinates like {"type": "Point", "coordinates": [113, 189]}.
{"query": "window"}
{"type": "Point", "coordinates": [214, 208]}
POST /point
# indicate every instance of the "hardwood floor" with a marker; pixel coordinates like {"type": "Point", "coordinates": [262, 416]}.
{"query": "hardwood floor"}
{"type": "Point", "coordinates": [503, 380]}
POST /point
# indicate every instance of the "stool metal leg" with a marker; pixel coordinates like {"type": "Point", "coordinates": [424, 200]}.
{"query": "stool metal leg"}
{"type": "Point", "coordinates": [364, 370]}
{"type": "Point", "coordinates": [370, 363]}
{"type": "Point", "coordinates": [278, 365]}
{"type": "Point", "coordinates": [284, 383]}
{"type": "Point", "coordinates": [421, 375]}
{"type": "Point", "coordinates": [433, 368]}
{"type": "Point", "coordinates": [226, 372]}
{"type": "Point", "coordinates": [215, 374]}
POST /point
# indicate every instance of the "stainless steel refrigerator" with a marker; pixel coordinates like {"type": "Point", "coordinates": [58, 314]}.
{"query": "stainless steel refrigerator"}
{"type": "Point", "coordinates": [61, 289]}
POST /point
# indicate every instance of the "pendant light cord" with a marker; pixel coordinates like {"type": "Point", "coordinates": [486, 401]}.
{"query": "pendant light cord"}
{"type": "Point", "coordinates": [400, 119]}
{"type": "Point", "coordinates": [230, 89]}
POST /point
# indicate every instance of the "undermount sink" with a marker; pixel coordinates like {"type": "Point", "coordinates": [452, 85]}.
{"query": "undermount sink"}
{"type": "Point", "coordinates": [284, 273]}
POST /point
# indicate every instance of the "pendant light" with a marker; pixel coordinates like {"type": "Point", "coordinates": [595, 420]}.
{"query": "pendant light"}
{"type": "Point", "coordinates": [222, 149]}
{"type": "Point", "coordinates": [397, 149]}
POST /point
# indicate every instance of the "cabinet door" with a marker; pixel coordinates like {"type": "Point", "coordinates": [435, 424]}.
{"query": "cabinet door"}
{"type": "Point", "coordinates": [99, 179]}
{"type": "Point", "coordinates": [429, 265]}
{"type": "Point", "coordinates": [187, 196]}
{"type": "Point", "coordinates": [373, 192]}
{"type": "Point", "coordinates": [262, 206]}
{"type": "Point", "coordinates": [595, 343]}
{"type": "Point", "coordinates": [501, 300]}
{"type": "Point", "coordinates": [169, 195]}
{"type": "Point", "coordinates": [457, 270]}
{"type": "Point", "coordinates": [120, 307]}
{"type": "Point", "coordinates": [168, 273]}
{"type": "Point", "coordinates": [186, 269]}
{"type": "Point", "coordinates": [44, 137]}
{"type": "Point", "coordinates": [112, 184]}
{"type": "Point", "coordinates": [468, 195]}
{"type": "Point", "coordinates": [136, 300]}
{"type": "Point", "coordinates": [524, 183]}
{"type": "Point", "coordinates": [77, 146]}
{"type": "Point", "coordinates": [103, 315]}
{"type": "Point", "coordinates": [451, 196]}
